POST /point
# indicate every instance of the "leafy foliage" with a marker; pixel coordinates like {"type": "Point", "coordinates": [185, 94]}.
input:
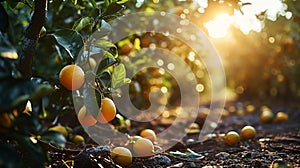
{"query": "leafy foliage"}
{"type": "Point", "coordinates": [19, 91]}
{"type": "Point", "coordinates": [68, 27]}
{"type": "Point", "coordinates": [119, 76]}
{"type": "Point", "coordinates": [54, 138]}
{"type": "Point", "coordinates": [70, 40]}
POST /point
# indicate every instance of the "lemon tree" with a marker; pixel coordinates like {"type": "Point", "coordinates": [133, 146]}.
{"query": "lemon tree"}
{"type": "Point", "coordinates": [37, 56]}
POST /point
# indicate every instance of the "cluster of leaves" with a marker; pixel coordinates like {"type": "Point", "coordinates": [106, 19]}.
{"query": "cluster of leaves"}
{"type": "Point", "coordinates": [65, 33]}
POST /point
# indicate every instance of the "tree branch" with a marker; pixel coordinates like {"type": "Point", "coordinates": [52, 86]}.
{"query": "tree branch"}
{"type": "Point", "coordinates": [31, 37]}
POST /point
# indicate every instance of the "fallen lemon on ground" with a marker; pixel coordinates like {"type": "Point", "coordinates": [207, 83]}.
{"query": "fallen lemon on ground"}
{"type": "Point", "coordinates": [248, 132]}
{"type": "Point", "coordinates": [143, 147]}
{"type": "Point", "coordinates": [232, 138]}
{"type": "Point", "coordinates": [250, 108]}
{"type": "Point", "coordinates": [149, 134]}
{"type": "Point", "coordinates": [61, 129]}
{"type": "Point", "coordinates": [281, 117]}
{"type": "Point", "coordinates": [78, 139]}
{"type": "Point", "coordinates": [266, 116]}
{"type": "Point", "coordinates": [122, 156]}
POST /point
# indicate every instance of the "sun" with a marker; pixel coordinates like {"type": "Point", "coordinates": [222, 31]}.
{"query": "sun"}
{"type": "Point", "coordinates": [218, 28]}
{"type": "Point", "coordinates": [247, 20]}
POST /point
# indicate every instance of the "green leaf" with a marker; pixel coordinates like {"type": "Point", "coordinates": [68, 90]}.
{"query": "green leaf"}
{"type": "Point", "coordinates": [41, 91]}
{"type": "Point", "coordinates": [110, 50]}
{"type": "Point", "coordinates": [90, 97]}
{"type": "Point", "coordinates": [70, 40]}
{"type": "Point", "coordinates": [119, 76]}
{"type": "Point", "coordinates": [19, 5]}
{"type": "Point", "coordinates": [107, 2]}
{"type": "Point", "coordinates": [104, 44]}
{"type": "Point", "coordinates": [121, 2]}
{"type": "Point", "coordinates": [5, 68]}
{"type": "Point", "coordinates": [94, 3]}
{"type": "Point", "coordinates": [15, 90]}
{"type": "Point", "coordinates": [112, 16]}
{"type": "Point", "coordinates": [55, 138]}
{"type": "Point", "coordinates": [13, 3]}
{"type": "Point", "coordinates": [112, 53]}
{"type": "Point", "coordinates": [57, 5]}
{"type": "Point", "coordinates": [104, 78]}
{"type": "Point", "coordinates": [18, 91]}
{"type": "Point", "coordinates": [112, 9]}
{"type": "Point", "coordinates": [6, 48]}
{"type": "Point", "coordinates": [31, 123]}
{"type": "Point", "coordinates": [74, 2]}
{"type": "Point", "coordinates": [82, 23]}
{"type": "Point", "coordinates": [105, 63]}
{"type": "Point", "coordinates": [127, 80]}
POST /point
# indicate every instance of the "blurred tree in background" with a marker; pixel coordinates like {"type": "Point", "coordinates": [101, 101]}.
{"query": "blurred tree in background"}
{"type": "Point", "coordinates": [258, 42]}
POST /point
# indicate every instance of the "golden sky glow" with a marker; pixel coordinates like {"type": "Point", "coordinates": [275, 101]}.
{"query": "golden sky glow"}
{"type": "Point", "coordinates": [218, 27]}
{"type": "Point", "coordinates": [248, 21]}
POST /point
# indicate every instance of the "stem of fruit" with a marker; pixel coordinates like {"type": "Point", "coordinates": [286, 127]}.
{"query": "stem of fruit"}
{"type": "Point", "coordinates": [32, 35]}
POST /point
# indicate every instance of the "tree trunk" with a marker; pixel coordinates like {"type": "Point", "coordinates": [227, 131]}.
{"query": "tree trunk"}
{"type": "Point", "coordinates": [32, 35]}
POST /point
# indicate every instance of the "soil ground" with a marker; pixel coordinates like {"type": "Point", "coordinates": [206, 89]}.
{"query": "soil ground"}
{"type": "Point", "coordinates": [275, 144]}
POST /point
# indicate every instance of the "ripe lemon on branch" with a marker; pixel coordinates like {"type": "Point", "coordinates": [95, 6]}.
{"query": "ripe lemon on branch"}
{"type": "Point", "coordinates": [71, 77]}
{"type": "Point", "coordinates": [107, 113]}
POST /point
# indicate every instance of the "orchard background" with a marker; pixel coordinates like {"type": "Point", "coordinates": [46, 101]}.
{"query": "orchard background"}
{"type": "Point", "coordinates": [258, 43]}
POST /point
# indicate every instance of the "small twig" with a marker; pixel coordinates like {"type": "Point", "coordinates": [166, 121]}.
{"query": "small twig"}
{"type": "Point", "coordinates": [52, 148]}
{"type": "Point", "coordinates": [106, 160]}
{"type": "Point", "coordinates": [66, 163]}
{"type": "Point", "coordinates": [26, 2]}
